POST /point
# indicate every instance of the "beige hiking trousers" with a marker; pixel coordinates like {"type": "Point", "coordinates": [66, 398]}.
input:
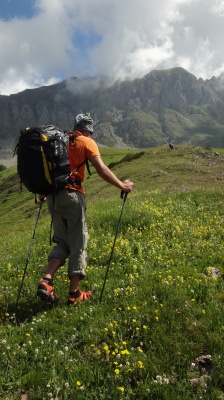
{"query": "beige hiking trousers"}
{"type": "Point", "coordinates": [68, 209]}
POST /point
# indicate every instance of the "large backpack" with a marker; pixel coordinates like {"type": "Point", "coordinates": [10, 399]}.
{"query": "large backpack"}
{"type": "Point", "coordinates": [42, 159]}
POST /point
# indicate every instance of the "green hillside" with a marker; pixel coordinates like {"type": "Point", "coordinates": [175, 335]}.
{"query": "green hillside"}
{"type": "Point", "coordinates": [158, 332]}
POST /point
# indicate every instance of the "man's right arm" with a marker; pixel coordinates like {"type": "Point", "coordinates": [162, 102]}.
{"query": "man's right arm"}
{"type": "Point", "coordinates": [105, 173]}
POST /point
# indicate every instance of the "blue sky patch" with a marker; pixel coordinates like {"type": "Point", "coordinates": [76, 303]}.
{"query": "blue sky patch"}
{"type": "Point", "coordinates": [84, 41]}
{"type": "Point", "coordinates": [10, 9]}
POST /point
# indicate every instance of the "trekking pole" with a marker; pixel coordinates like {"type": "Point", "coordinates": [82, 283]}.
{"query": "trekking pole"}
{"type": "Point", "coordinates": [29, 252]}
{"type": "Point", "coordinates": [124, 197]}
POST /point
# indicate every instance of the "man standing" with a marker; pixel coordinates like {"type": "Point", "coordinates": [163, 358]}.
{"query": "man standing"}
{"type": "Point", "coordinates": [68, 209]}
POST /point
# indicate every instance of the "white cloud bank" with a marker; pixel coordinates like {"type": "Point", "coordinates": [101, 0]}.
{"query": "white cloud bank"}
{"type": "Point", "coordinates": [121, 39]}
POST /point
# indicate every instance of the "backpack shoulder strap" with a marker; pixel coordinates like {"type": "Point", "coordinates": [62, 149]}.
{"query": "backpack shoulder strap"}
{"type": "Point", "coordinates": [88, 168]}
{"type": "Point", "coordinates": [72, 137]}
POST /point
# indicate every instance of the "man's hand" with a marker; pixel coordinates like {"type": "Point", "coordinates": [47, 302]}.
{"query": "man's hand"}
{"type": "Point", "coordinates": [42, 197]}
{"type": "Point", "coordinates": [127, 186]}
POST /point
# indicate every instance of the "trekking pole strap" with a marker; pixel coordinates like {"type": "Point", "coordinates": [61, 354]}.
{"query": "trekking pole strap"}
{"type": "Point", "coordinates": [124, 195]}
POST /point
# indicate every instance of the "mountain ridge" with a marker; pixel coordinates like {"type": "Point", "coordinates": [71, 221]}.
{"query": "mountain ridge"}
{"type": "Point", "coordinates": [163, 106]}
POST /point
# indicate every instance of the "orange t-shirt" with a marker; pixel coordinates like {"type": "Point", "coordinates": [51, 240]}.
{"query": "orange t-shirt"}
{"type": "Point", "coordinates": [79, 151]}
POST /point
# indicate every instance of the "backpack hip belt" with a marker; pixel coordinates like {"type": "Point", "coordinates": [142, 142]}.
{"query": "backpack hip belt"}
{"type": "Point", "coordinates": [74, 181]}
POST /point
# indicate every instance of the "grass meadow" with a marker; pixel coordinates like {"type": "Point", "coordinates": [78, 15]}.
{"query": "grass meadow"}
{"type": "Point", "coordinates": [158, 331]}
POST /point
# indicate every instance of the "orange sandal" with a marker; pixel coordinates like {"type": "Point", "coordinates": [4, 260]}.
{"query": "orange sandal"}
{"type": "Point", "coordinates": [78, 296]}
{"type": "Point", "coordinates": [46, 292]}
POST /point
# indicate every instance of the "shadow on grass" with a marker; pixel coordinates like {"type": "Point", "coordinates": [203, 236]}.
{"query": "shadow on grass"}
{"type": "Point", "coordinates": [24, 312]}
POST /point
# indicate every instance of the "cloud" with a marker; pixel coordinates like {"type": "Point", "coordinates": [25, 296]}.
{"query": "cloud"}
{"type": "Point", "coordinates": [120, 39]}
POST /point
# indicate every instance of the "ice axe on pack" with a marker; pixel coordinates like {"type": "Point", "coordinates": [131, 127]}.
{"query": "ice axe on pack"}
{"type": "Point", "coordinates": [124, 197]}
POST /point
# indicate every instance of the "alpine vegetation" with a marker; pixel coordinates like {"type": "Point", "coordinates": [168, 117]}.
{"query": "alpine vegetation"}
{"type": "Point", "coordinates": [158, 331]}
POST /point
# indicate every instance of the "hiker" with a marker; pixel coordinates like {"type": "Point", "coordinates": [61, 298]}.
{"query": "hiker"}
{"type": "Point", "coordinates": [68, 210]}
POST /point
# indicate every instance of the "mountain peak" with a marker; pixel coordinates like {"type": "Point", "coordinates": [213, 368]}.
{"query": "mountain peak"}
{"type": "Point", "coordinates": [163, 106]}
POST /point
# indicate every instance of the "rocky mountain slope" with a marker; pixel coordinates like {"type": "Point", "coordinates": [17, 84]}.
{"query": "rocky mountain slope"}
{"type": "Point", "coordinates": [164, 106]}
